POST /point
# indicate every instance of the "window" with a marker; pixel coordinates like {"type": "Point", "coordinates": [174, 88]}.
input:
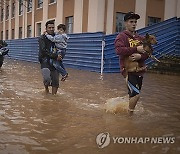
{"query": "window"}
{"type": "Point", "coordinates": [38, 29]}
{"type": "Point", "coordinates": [20, 32]}
{"type": "Point", "coordinates": [29, 31]}
{"type": "Point", "coordinates": [13, 10]}
{"type": "Point", "coordinates": [7, 12]}
{"type": "Point", "coordinates": [153, 20]}
{"type": "Point", "coordinates": [7, 34]}
{"type": "Point", "coordinates": [40, 3]}
{"type": "Point", "coordinates": [12, 34]}
{"type": "Point", "coordinates": [20, 7]}
{"type": "Point", "coordinates": [52, 1]}
{"type": "Point", "coordinates": [69, 24]}
{"type": "Point", "coordinates": [29, 5]}
{"type": "Point", "coordinates": [120, 21]}
{"type": "Point", "coordinates": [1, 35]}
{"type": "Point", "coordinates": [2, 14]}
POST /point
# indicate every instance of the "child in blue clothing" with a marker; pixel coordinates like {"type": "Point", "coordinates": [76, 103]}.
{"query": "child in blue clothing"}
{"type": "Point", "coordinates": [60, 40]}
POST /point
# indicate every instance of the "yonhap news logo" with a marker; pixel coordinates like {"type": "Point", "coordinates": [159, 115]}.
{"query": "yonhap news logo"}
{"type": "Point", "coordinates": [103, 140]}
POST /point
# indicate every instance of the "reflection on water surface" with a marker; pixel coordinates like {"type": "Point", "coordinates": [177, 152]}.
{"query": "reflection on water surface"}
{"type": "Point", "coordinates": [32, 122]}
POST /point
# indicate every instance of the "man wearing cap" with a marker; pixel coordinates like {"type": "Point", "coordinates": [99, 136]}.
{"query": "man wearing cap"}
{"type": "Point", "coordinates": [127, 45]}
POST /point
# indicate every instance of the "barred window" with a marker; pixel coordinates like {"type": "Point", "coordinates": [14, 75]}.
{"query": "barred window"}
{"type": "Point", "coordinates": [7, 12]}
{"type": "Point", "coordinates": [20, 7]}
{"type": "Point", "coordinates": [2, 14]}
{"type": "Point", "coordinates": [20, 32]}
{"type": "Point", "coordinates": [29, 5]}
{"type": "Point", "coordinates": [29, 31]}
{"type": "Point", "coordinates": [38, 29]}
{"type": "Point", "coordinates": [153, 20]}
{"type": "Point", "coordinates": [12, 34]}
{"type": "Point", "coordinates": [40, 3]}
{"type": "Point", "coordinates": [1, 35]}
{"type": "Point", "coordinates": [69, 24]}
{"type": "Point", "coordinates": [13, 10]}
{"type": "Point", "coordinates": [120, 21]}
{"type": "Point", "coordinates": [7, 34]}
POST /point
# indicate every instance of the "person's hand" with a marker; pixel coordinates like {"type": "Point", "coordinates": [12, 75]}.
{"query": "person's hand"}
{"type": "Point", "coordinates": [140, 49]}
{"type": "Point", "coordinates": [135, 57]}
{"type": "Point", "coordinates": [59, 57]}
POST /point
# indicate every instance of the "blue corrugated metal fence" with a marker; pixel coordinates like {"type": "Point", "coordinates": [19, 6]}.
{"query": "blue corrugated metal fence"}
{"type": "Point", "coordinates": [84, 49]}
{"type": "Point", "coordinates": [168, 36]}
{"type": "Point", "coordinates": [24, 49]}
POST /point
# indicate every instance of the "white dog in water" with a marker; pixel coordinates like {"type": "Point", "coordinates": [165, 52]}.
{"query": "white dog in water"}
{"type": "Point", "coordinates": [117, 105]}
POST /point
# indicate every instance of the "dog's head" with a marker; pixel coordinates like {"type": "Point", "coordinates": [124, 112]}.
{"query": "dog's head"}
{"type": "Point", "coordinates": [148, 41]}
{"type": "Point", "coordinates": [151, 39]}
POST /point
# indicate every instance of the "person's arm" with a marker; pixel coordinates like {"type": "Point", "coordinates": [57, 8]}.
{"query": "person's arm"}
{"type": "Point", "coordinates": [4, 51]}
{"type": "Point", "coordinates": [65, 37]}
{"type": "Point", "coordinates": [138, 57]}
{"type": "Point", "coordinates": [56, 39]}
{"type": "Point", "coordinates": [121, 46]}
{"type": "Point", "coordinates": [44, 51]}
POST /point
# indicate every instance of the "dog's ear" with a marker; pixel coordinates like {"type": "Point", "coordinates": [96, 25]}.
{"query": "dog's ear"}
{"type": "Point", "coordinates": [147, 36]}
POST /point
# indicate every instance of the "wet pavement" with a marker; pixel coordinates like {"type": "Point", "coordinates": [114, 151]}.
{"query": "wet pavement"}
{"type": "Point", "coordinates": [32, 122]}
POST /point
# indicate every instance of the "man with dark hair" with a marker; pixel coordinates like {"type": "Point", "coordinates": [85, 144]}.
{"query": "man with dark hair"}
{"type": "Point", "coordinates": [46, 48]}
{"type": "Point", "coordinates": [127, 45]}
{"type": "Point", "coordinates": [3, 44]}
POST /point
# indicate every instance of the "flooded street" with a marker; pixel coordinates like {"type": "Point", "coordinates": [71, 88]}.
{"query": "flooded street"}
{"type": "Point", "coordinates": [32, 122]}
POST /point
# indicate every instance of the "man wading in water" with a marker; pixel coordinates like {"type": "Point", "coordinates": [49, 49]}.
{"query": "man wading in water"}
{"type": "Point", "coordinates": [126, 45]}
{"type": "Point", "coordinates": [47, 51]}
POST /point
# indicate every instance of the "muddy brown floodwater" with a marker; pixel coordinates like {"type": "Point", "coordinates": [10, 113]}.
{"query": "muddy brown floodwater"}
{"type": "Point", "coordinates": [32, 122]}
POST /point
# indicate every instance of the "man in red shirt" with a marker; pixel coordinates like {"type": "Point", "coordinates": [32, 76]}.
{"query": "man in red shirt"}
{"type": "Point", "coordinates": [127, 45]}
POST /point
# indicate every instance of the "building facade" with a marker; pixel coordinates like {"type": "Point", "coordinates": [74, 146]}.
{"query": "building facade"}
{"type": "Point", "coordinates": [27, 18]}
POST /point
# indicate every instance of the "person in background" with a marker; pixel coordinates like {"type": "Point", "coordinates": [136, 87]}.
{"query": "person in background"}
{"type": "Point", "coordinates": [127, 45]}
{"type": "Point", "coordinates": [60, 40]}
{"type": "Point", "coordinates": [49, 72]}
{"type": "Point", "coordinates": [3, 51]}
